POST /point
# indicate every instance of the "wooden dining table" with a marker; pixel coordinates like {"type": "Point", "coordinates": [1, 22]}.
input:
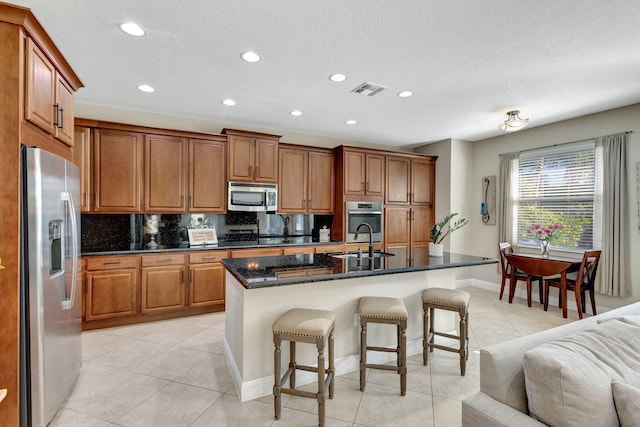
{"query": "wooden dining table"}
{"type": "Point", "coordinates": [544, 266]}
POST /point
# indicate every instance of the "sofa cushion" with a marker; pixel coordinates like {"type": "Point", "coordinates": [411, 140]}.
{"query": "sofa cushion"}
{"type": "Point", "coordinates": [627, 400]}
{"type": "Point", "coordinates": [568, 381]}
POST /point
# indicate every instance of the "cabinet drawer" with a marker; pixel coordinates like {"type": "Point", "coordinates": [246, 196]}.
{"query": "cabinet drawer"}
{"type": "Point", "coordinates": [209, 256]}
{"type": "Point", "coordinates": [162, 259]}
{"type": "Point", "coordinates": [325, 249]}
{"type": "Point", "coordinates": [111, 262]}
{"type": "Point", "coordinates": [298, 250]}
{"type": "Point", "coordinates": [250, 253]}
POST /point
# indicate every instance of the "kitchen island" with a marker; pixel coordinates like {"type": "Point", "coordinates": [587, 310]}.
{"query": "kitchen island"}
{"type": "Point", "coordinates": [258, 290]}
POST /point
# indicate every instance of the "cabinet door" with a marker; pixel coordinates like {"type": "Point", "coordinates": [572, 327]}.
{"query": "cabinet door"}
{"type": "Point", "coordinates": [110, 293]}
{"type": "Point", "coordinates": [165, 174]}
{"type": "Point", "coordinates": [64, 120]}
{"type": "Point", "coordinates": [292, 191]}
{"type": "Point", "coordinates": [266, 160]}
{"type": "Point", "coordinates": [117, 177]}
{"type": "Point", "coordinates": [422, 182]}
{"type": "Point", "coordinates": [398, 180]}
{"type": "Point", "coordinates": [207, 176]}
{"type": "Point", "coordinates": [206, 284]}
{"type": "Point", "coordinates": [354, 173]}
{"type": "Point", "coordinates": [397, 225]}
{"type": "Point", "coordinates": [162, 289]}
{"type": "Point", "coordinates": [421, 222]}
{"type": "Point", "coordinates": [40, 89]}
{"type": "Point", "coordinates": [241, 158]}
{"type": "Point", "coordinates": [321, 183]}
{"type": "Point", "coordinates": [374, 175]}
{"type": "Point", "coordinates": [82, 158]}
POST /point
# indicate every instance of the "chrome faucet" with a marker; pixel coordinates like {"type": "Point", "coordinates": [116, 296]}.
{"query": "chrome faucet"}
{"type": "Point", "coordinates": [355, 237]}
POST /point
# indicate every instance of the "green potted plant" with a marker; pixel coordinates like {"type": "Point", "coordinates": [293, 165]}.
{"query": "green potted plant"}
{"type": "Point", "coordinates": [442, 229]}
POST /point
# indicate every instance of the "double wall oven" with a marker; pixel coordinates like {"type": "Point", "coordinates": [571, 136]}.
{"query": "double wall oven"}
{"type": "Point", "coordinates": [363, 212]}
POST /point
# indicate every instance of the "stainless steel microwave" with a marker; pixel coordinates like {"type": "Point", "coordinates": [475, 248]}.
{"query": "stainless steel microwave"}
{"type": "Point", "coordinates": [363, 212]}
{"type": "Point", "coordinates": [252, 197]}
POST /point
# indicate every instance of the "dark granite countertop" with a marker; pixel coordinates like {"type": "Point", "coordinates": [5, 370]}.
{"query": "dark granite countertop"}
{"type": "Point", "coordinates": [262, 242]}
{"type": "Point", "coordinates": [263, 272]}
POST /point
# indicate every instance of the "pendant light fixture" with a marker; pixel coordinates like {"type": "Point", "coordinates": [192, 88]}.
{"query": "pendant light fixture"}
{"type": "Point", "coordinates": [513, 122]}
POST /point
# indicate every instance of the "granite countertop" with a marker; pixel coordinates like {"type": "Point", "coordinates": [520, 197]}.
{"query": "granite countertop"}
{"type": "Point", "coordinates": [262, 242]}
{"type": "Point", "coordinates": [261, 272]}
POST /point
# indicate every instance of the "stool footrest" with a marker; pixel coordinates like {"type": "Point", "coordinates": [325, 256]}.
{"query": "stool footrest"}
{"type": "Point", "coordinates": [385, 367]}
{"type": "Point", "coordinates": [443, 334]}
{"type": "Point", "coordinates": [443, 347]}
{"type": "Point", "coordinates": [296, 392]}
{"type": "Point", "coordinates": [384, 349]}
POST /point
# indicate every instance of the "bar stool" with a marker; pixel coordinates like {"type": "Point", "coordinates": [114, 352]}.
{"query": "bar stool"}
{"type": "Point", "coordinates": [452, 300]}
{"type": "Point", "coordinates": [384, 310]}
{"type": "Point", "coordinates": [310, 326]}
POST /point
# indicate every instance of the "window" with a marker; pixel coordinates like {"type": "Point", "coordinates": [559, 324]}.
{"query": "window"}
{"type": "Point", "coordinates": [560, 185]}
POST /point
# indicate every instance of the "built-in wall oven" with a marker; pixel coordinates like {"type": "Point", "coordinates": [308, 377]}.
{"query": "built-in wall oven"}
{"type": "Point", "coordinates": [363, 212]}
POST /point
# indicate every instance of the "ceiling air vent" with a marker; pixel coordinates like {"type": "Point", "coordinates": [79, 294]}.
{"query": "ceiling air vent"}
{"type": "Point", "coordinates": [369, 89]}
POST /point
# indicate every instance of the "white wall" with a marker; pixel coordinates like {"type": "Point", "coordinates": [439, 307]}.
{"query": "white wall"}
{"type": "Point", "coordinates": [484, 238]}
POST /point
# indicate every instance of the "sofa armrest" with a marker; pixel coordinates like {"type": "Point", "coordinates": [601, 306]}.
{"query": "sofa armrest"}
{"type": "Point", "coordinates": [481, 410]}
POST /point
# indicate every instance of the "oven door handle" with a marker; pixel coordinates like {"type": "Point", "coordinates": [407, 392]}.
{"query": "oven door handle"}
{"type": "Point", "coordinates": [365, 212]}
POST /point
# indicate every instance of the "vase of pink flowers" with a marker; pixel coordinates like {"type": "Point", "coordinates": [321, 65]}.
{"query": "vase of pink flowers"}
{"type": "Point", "coordinates": [545, 234]}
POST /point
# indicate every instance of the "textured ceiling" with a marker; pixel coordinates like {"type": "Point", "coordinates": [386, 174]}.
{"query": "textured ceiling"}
{"type": "Point", "coordinates": [467, 62]}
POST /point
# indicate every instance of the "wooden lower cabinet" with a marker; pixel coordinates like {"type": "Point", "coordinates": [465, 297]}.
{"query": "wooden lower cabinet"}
{"type": "Point", "coordinates": [206, 278]}
{"type": "Point", "coordinates": [162, 288]}
{"type": "Point", "coordinates": [111, 287]}
{"type": "Point", "coordinates": [138, 288]}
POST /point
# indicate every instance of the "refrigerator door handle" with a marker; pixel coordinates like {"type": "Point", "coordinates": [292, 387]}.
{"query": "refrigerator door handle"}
{"type": "Point", "coordinates": [67, 303]}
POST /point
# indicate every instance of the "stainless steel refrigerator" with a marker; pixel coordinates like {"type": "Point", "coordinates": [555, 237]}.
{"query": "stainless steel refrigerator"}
{"type": "Point", "coordinates": [51, 306]}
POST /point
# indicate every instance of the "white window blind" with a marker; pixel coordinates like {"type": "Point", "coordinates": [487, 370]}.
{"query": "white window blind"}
{"type": "Point", "coordinates": [557, 185]}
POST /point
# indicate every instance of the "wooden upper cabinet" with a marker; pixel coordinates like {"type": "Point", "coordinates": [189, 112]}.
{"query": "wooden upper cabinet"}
{"type": "Point", "coordinates": [82, 158]}
{"type": "Point", "coordinates": [117, 173]}
{"type": "Point", "coordinates": [165, 174]}
{"type": "Point", "coordinates": [48, 97]}
{"type": "Point", "coordinates": [363, 174]}
{"type": "Point", "coordinates": [252, 157]}
{"type": "Point", "coordinates": [398, 180]}
{"type": "Point", "coordinates": [306, 181]}
{"type": "Point", "coordinates": [266, 160]}
{"type": "Point", "coordinates": [423, 180]}
{"type": "Point", "coordinates": [354, 173]}
{"type": "Point", "coordinates": [410, 181]}
{"type": "Point", "coordinates": [292, 191]}
{"type": "Point", "coordinates": [321, 183]}
{"type": "Point", "coordinates": [207, 176]}
{"type": "Point", "coordinates": [374, 184]}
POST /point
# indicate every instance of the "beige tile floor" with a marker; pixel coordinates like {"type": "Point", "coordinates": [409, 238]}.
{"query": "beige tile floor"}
{"type": "Point", "coordinates": [173, 373]}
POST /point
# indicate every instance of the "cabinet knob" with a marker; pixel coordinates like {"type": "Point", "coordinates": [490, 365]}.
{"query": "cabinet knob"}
{"type": "Point", "coordinates": [249, 173]}
{"type": "Point", "coordinates": [255, 173]}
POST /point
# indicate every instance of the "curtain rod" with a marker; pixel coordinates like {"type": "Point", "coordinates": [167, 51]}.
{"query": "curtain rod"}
{"type": "Point", "coordinates": [570, 142]}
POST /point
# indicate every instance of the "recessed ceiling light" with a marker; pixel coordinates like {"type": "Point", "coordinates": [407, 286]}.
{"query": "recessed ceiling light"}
{"type": "Point", "coordinates": [229, 102]}
{"type": "Point", "coordinates": [132, 28]}
{"type": "Point", "coordinates": [405, 94]}
{"type": "Point", "coordinates": [296, 113]}
{"type": "Point", "coordinates": [146, 88]}
{"type": "Point", "coordinates": [351, 122]}
{"type": "Point", "coordinates": [251, 57]}
{"type": "Point", "coordinates": [337, 77]}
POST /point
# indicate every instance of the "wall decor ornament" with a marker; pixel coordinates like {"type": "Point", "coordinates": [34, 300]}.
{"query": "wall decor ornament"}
{"type": "Point", "coordinates": [488, 205]}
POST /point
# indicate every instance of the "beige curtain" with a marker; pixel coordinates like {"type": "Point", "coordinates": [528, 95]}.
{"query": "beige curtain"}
{"type": "Point", "coordinates": [613, 271]}
{"type": "Point", "coordinates": [506, 182]}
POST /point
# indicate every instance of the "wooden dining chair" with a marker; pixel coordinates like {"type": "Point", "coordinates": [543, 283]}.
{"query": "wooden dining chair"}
{"type": "Point", "coordinates": [584, 282]}
{"type": "Point", "coordinates": [506, 248]}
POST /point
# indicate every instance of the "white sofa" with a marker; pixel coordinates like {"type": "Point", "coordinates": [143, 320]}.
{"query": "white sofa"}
{"type": "Point", "coordinates": [502, 399]}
